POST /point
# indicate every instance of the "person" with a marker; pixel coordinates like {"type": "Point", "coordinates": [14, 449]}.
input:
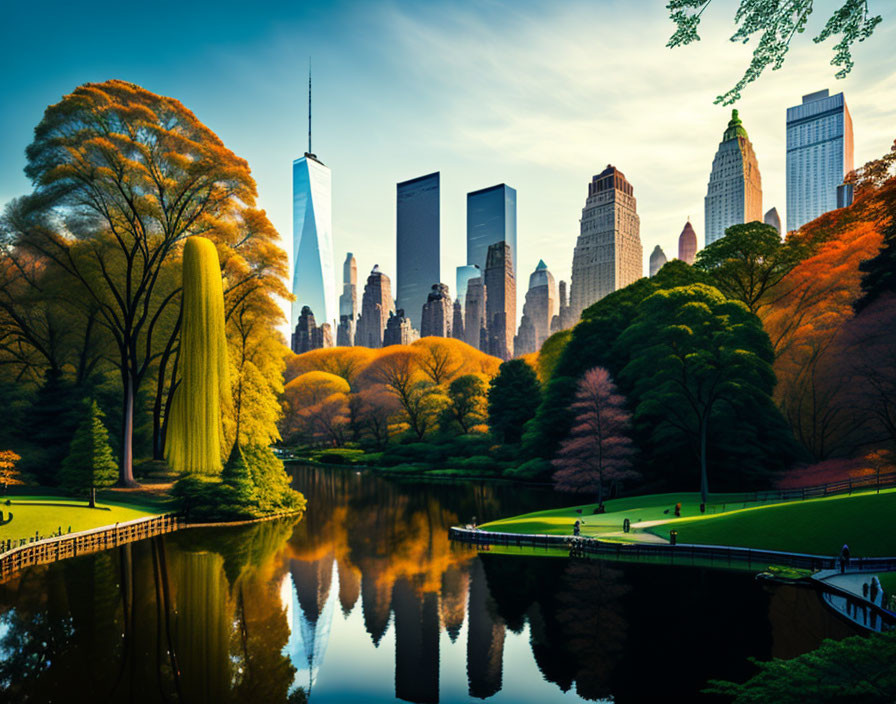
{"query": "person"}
{"type": "Point", "coordinates": [678, 509]}
{"type": "Point", "coordinates": [473, 521]}
{"type": "Point", "coordinates": [844, 557]}
{"type": "Point", "coordinates": [575, 528]}
{"type": "Point", "coordinates": [875, 588]}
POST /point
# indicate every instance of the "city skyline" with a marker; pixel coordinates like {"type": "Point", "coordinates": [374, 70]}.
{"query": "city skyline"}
{"type": "Point", "coordinates": [530, 119]}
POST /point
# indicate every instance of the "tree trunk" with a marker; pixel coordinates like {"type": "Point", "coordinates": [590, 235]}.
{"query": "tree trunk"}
{"type": "Point", "coordinates": [704, 484]}
{"type": "Point", "coordinates": [93, 497]}
{"type": "Point", "coordinates": [127, 454]}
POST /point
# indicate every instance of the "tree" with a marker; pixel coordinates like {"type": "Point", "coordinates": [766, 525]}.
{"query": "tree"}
{"type": "Point", "coordinates": [196, 436]}
{"type": "Point", "coordinates": [776, 23]}
{"type": "Point", "coordinates": [513, 399]}
{"type": "Point", "coordinates": [856, 669]}
{"type": "Point", "coordinates": [90, 463]}
{"type": "Point", "coordinates": [398, 371]}
{"type": "Point", "coordinates": [691, 352]}
{"type": "Point", "coordinates": [8, 473]}
{"type": "Point", "coordinates": [599, 448]}
{"type": "Point", "coordinates": [750, 263]}
{"type": "Point", "coordinates": [131, 175]}
{"type": "Point", "coordinates": [467, 401]}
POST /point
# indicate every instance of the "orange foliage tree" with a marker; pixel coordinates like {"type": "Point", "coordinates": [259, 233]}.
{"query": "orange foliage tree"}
{"type": "Point", "coordinates": [8, 473]}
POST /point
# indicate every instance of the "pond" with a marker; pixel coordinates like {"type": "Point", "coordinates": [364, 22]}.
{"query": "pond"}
{"type": "Point", "coordinates": [364, 599]}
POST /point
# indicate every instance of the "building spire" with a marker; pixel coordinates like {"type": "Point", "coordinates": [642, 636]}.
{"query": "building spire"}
{"type": "Point", "coordinates": [309, 106]}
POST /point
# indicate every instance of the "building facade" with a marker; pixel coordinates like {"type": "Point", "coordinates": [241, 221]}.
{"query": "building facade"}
{"type": "Point", "coordinates": [417, 243]}
{"type": "Point", "coordinates": [657, 260]}
{"type": "Point", "coordinates": [564, 318]}
{"type": "Point", "coordinates": [819, 155]}
{"type": "Point", "coordinates": [348, 302]}
{"type": "Point", "coordinates": [538, 311]}
{"type": "Point", "coordinates": [773, 219]}
{"type": "Point", "coordinates": [376, 307]}
{"type": "Point", "coordinates": [500, 305]}
{"type": "Point", "coordinates": [399, 330]}
{"type": "Point", "coordinates": [734, 193]}
{"type": "Point", "coordinates": [308, 335]}
{"type": "Point", "coordinates": [437, 313]}
{"type": "Point", "coordinates": [491, 218]}
{"type": "Point", "coordinates": [687, 244]}
{"type": "Point", "coordinates": [608, 254]}
{"type": "Point", "coordinates": [313, 281]}
{"type": "Point", "coordinates": [474, 313]}
{"type": "Point", "coordinates": [464, 274]}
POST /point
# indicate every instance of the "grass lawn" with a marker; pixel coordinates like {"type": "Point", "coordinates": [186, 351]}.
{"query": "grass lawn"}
{"type": "Point", "coordinates": [45, 514]}
{"type": "Point", "coordinates": [819, 526]}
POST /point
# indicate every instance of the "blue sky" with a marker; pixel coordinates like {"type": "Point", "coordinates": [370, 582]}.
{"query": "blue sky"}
{"type": "Point", "coordinates": [538, 95]}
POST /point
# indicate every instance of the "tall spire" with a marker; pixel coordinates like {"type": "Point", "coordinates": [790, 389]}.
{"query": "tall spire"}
{"type": "Point", "coordinates": [309, 106]}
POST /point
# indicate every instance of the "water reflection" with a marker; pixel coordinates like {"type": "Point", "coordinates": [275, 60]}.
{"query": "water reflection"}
{"type": "Point", "coordinates": [366, 600]}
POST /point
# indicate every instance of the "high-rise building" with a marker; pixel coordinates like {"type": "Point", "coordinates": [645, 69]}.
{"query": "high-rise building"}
{"type": "Point", "coordinates": [491, 218]}
{"type": "Point", "coordinates": [500, 305]}
{"type": "Point", "coordinates": [474, 313]}
{"type": "Point", "coordinates": [538, 311]}
{"type": "Point", "coordinates": [657, 260]}
{"type": "Point", "coordinates": [376, 306]}
{"type": "Point", "coordinates": [457, 321]}
{"type": "Point", "coordinates": [307, 335]}
{"type": "Point", "coordinates": [772, 218]}
{"type": "Point", "coordinates": [608, 254]}
{"type": "Point", "coordinates": [417, 242]}
{"type": "Point", "coordinates": [734, 193]}
{"type": "Point", "coordinates": [464, 274]}
{"type": "Point", "coordinates": [437, 313]}
{"type": "Point", "coordinates": [348, 302]}
{"type": "Point", "coordinates": [819, 155]}
{"type": "Point", "coordinates": [565, 318]}
{"type": "Point", "coordinates": [687, 244]}
{"type": "Point", "coordinates": [399, 330]}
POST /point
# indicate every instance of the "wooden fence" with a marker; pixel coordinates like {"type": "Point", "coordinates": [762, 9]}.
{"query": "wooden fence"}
{"type": "Point", "coordinates": [84, 542]}
{"type": "Point", "coordinates": [717, 554]}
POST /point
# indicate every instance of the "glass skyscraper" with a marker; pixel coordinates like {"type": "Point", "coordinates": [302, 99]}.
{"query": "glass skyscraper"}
{"type": "Point", "coordinates": [314, 283]}
{"type": "Point", "coordinates": [464, 274]}
{"type": "Point", "coordinates": [819, 155]}
{"type": "Point", "coordinates": [491, 218]}
{"type": "Point", "coordinates": [417, 243]}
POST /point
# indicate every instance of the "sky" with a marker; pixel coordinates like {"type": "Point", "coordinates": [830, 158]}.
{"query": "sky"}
{"type": "Point", "coordinates": [538, 95]}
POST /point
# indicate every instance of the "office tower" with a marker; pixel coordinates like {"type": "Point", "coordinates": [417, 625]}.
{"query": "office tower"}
{"type": "Point", "coordinates": [437, 313]}
{"type": "Point", "coordinates": [464, 274]}
{"type": "Point", "coordinates": [734, 193]}
{"type": "Point", "coordinates": [491, 218]}
{"type": "Point", "coordinates": [417, 242]}
{"type": "Point", "coordinates": [845, 195]}
{"type": "Point", "coordinates": [313, 283]}
{"type": "Point", "coordinates": [657, 260]}
{"type": "Point", "coordinates": [348, 302]}
{"type": "Point", "coordinates": [565, 318]}
{"type": "Point", "coordinates": [474, 312]}
{"type": "Point", "coordinates": [538, 311]}
{"type": "Point", "coordinates": [608, 254]}
{"type": "Point", "coordinates": [819, 155]}
{"type": "Point", "coordinates": [772, 218]}
{"type": "Point", "coordinates": [399, 330]}
{"type": "Point", "coordinates": [308, 335]}
{"type": "Point", "coordinates": [687, 244]}
{"type": "Point", "coordinates": [345, 333]}
{"type": "Point", "coordinates": [457, 321]}
{"type": "Point", "coordinates": [376, 305]}
{"type": "Point", "coordinates": [500, 305]}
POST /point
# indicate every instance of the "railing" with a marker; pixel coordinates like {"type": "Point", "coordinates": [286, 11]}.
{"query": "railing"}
{"type": "Point", "coordinates": [583, 547]}
{"type": "Point", "coordinates": [844, 486]}
{"type": "Point", "coordinates": [87, 541]}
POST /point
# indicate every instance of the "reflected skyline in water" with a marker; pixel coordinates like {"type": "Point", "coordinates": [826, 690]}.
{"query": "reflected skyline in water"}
{"type": "Point", "coordinates": [364, 599]}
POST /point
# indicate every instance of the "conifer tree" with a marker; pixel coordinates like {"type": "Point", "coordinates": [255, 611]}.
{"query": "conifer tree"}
{"type": "Point", "coordinates": [90, 464]}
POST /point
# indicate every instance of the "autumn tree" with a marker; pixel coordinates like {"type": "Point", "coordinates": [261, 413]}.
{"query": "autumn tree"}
{"type": "Point", "coordinates": [513, 398]}
{"type": "Point", "coordinates": [131, 175]}
{"type": "Point", "coordinates": [467, 405]}
{"type": "Point", "coordinates": [90, 464]}
{"type": "Point", "coordinates": [8, 472]}
{"type": "Point", "coordinates": [398, 371]}
{"type": "Point", "coordinates": [776, 23]}
{"type": "Point", "coordinates": [599, 447]}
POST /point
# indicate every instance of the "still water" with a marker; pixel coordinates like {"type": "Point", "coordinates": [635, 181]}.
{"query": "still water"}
{"type": "Point", "coordinates": [364, 599]}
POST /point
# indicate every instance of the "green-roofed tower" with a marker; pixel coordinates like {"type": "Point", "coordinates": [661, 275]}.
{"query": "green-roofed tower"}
{"type": "Point", "coordinates": [734, 194]}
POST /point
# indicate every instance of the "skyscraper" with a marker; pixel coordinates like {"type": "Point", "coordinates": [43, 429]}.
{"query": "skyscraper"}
{"type": "Point", "coordinates": [491, 218]}
{"type": "Point", "coordinates": [819, 155]}
{"type": "Point", "coordinates": [417, 243]}
{"type": "Point", "coordinates": [314, 283]}
{"type": "Point", "coordinates": [464, 274]}
{"type": "Point", "coordinates": [608, 254]}
{"type": "Point", "coordinates": [474, 313]}
{"type": "Point", "coordinates": [437, 313]}
{"type": "Point", "coordinates": [772, 218]}
{"type": "Point", "coordinates": [538, 311]}
{"type": "Point", "coordinates": [734, 193]}
{"type": "Point", "coordinates": [348, 302]}
{"type": "Point", "coordinates": [500, 304]}
{"type": "Point", "coordinates": [564, 318]}
{"type": "Point", "coordinates": [657, 260]}
{"type": "Point", "coordinates": [687, 244]}
{"type": "Point", "coordinates": [376, 306]}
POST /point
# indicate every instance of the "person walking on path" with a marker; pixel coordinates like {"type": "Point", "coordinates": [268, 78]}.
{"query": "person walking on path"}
{"type": "Point", "coordinates": [844, 557]}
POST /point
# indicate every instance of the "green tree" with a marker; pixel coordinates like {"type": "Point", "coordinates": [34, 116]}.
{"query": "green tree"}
{"type": "Point", "coordinates": [90, 464]}
{"type": "Point", "coordinates": [777, 23]}
{"type": "Point", "coordinates": [513, 399]}
{"type": "Point", "coordinates": [691, 353]}
{"type": "Point", "coordinates": [856, 669]}
{"type": "Point", "coordinates": [466, 402]}
{"type": "Point", "coordinates": [750, 263]}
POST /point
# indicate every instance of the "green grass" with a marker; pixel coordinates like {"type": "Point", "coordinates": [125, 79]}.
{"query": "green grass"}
{"type": "Point", "coordinates": [818, 526]}
{"type": "Point", "coordinates": [46, 514]}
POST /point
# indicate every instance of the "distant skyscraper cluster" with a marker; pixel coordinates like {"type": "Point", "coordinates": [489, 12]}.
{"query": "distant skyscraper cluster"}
{"type": "Point", "coordinates": [608, 254]}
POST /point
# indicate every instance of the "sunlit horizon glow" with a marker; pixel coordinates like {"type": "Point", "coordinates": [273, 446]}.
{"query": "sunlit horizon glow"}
{"type": "Point", "coordinates": [538, 96]}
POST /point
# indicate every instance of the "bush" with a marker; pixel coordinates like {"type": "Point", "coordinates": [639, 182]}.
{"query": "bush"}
{"type": "Point", "coordinates": [537, 469]}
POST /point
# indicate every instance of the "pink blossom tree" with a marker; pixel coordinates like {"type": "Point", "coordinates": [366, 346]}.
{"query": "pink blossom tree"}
{"type": "Point", "coordinates": [599, 448]}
